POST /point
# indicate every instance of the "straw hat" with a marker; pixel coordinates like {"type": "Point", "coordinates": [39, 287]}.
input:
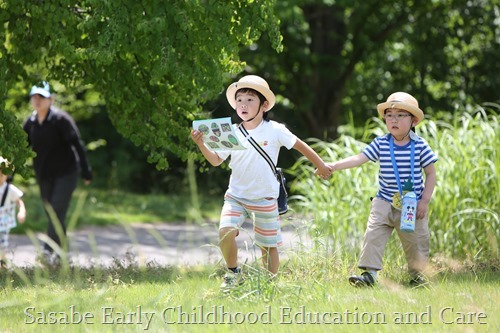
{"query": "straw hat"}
{"type": "Point", "coordinates": [254, 82]}
{"type": "Point", "coordinates": [404, 101]}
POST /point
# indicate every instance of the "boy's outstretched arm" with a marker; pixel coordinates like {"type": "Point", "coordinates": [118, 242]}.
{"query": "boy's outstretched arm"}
{"type": "Point", "coordinates": [349, 162]}
{"type": "Point", "coordinates": [211, 156]}
{"type": "Point", "coordinates": [323, 170]}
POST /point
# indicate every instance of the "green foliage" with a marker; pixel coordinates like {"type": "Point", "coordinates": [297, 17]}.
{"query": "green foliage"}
{"type": "Point", "coordinates": [152, 67]}
{"type": "Point", "coordinates": [343, 57]}
{"type": "Point", "coordinates": [13, 141]}
{"type": "Point", "coordinates": [464, 215]}
{"type": "Point", "coordinates": [154, 63]}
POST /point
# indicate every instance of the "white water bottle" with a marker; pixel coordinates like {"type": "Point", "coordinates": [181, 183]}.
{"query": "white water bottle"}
{"type": "Point", "coordinates": [408, 212]}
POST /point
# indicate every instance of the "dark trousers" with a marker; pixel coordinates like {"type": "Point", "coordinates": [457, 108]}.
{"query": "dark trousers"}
{"type": "Point", "coordinates": [56, 193]}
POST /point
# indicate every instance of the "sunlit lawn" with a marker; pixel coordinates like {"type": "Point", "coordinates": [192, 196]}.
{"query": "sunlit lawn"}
{"type": "Point", "coordinates": [310, 295]}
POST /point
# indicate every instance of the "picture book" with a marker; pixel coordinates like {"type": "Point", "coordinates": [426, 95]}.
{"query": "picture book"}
{"type": "Point", "coordinates": [218, 134]}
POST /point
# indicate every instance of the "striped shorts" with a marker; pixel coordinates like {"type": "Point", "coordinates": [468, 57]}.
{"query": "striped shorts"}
{"type": "Point", "coordinates": [264, 214]}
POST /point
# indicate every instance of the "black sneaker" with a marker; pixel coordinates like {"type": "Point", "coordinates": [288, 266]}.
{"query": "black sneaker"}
{"type": "Point", "coordinates": [363, 280]}
{"type": "Point", "coordinates": [49, 259]}
{"type": "Point", "coordinates": [418, 281]}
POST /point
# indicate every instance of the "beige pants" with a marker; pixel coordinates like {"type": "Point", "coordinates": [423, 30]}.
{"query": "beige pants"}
{"type": "Point", "coordinates": [382, 221]}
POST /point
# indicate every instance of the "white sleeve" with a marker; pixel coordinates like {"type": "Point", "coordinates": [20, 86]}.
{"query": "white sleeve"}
{"type": "Point", "coordinates": [285, 136]}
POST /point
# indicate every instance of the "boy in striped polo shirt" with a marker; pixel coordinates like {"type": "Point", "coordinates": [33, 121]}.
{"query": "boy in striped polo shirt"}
{"type": "Point", "coordinates": [401, 113]}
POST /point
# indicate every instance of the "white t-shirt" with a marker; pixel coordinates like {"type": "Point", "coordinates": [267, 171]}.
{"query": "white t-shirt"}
{"type": "Point", "coordinates": [8, 211]}
{"type": "Point", "coordinates": [252, 177]}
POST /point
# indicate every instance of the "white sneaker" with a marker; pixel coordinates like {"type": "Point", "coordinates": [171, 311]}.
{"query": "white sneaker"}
{"type": "Point", "coordinates": [231, 280]}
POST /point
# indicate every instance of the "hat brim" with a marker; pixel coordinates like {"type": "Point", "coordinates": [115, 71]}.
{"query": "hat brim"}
{"type": "Point", "coordinates": [416, 112]}
{"type": "Point", "coordinates": [234, 87]}
{"type": "Point", "coordinates": [40, 91]}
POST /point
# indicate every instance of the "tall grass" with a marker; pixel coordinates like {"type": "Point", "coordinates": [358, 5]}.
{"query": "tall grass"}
{"type": "Point", "coordinates": [464, 211]}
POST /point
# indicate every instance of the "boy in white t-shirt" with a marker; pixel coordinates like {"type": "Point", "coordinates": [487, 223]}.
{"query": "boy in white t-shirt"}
{"type": "Point", "coordinates": [253, 189]}
{"type": "Point", "coordinates": [10, 199]}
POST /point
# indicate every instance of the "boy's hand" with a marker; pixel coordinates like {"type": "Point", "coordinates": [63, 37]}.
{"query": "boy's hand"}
{"type": "Point", "coordinates": [422, 209]}
{"type": "Point", "coordinates": [197, 137]}
{"type": "Point", "coordinates": [21, 217]}
{"type": "Point", "coordinates": [324, 171]}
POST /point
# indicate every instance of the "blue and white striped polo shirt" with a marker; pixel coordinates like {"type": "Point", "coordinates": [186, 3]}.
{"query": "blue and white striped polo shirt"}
{"type": "Point", "coordinates": [379, 150]}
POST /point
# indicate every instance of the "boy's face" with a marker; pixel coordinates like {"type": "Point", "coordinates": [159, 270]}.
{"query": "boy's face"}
{"type": "Point", "coordinates": [248, 104]}
{"type": "Point", "coordinates": [398, 121]}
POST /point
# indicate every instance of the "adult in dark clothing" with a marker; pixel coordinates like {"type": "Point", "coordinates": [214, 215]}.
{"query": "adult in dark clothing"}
{"type": "Point", "coordinates": [60, 158]}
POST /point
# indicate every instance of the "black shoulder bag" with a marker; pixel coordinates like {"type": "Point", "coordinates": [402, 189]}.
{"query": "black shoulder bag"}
{"type": "Point", "coordinates": [283, 196]}
{"type": "Point", "coordinates": [4, 196]}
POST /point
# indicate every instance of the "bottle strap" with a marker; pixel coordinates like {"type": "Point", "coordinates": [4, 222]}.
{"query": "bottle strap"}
{"type": "Point", "coordinates": [395, 166]}
{"type": "Point", "coordinates": [259, 150]}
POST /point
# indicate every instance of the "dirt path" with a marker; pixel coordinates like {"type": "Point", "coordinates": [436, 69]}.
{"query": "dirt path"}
{"type": "Point", "coordinates": [162, 244]}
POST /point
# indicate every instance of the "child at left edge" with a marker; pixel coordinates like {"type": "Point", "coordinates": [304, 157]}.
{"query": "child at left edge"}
{"type": "Point", "coordinates": [12, 196]}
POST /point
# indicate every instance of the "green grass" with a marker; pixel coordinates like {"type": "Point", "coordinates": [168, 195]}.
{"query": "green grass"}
{"type": "Point", "coordinates": [311, 292]}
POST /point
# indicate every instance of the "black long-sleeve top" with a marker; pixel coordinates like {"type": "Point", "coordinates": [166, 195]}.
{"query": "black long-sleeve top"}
{"type": "Point", "coordinates": [57, 144]}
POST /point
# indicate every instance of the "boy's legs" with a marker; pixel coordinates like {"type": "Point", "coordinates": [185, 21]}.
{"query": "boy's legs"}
{"type": "Point", "coordinates": [378, 231]}
{"type": "Point", "coordinates": [268, 232]}
{"type": "Point", "coordinates": [416, 247]}
{"type": "Point", "coordinates": [271, 259]}
{"type": "Point", "coordinates": [266, 226]}
{"type": "Point", "coordinates": [233, 215]}
{"type": "Point", "coordinates": [228, 247]}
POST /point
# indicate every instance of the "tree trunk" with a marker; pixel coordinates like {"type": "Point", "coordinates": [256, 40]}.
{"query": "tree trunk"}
{"type": "Point", "coordinates": [328, 36]}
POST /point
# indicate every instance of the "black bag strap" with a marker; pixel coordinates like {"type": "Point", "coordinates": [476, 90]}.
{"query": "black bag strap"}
{"type": "Point", "coordinates": [4, 196]}
{"type": "Point", "coordinates": [260, 150]}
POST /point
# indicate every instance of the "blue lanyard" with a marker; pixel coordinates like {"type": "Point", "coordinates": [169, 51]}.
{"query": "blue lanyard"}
{"type": "Point", "coordinates": [395, 166]}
